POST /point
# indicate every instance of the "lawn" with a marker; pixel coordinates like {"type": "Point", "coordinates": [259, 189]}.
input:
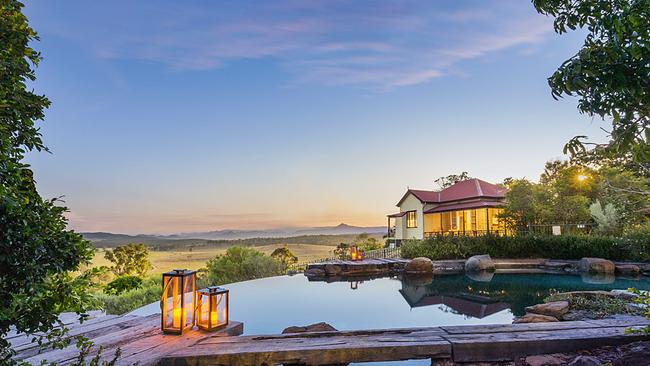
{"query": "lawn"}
{"type": "Point", "coordinates": [196, 258]}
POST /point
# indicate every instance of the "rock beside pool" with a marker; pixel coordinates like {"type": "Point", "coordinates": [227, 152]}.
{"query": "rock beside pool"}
{"type": "Point", "coordinates": [479, 263]}
{"type": "Point", "coordinates": [534, 318]}
{"type": "Point", "coordinates": [315, 272]}
{"type": "Point", "coordinates": [316, 327]}
{"type": "Point", "coordinates": [419, 265]}
{"type": "Point", "coordinates": [597, 265]}
{"type": "Point", "coordinates": [628, 270]}
{"type": "Point", "coordinates": [556, 309]}
{"type": "Point", "coordinates": [333, 269]}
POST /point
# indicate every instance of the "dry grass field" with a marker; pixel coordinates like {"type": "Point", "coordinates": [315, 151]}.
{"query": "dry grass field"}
{"type": "Point", "coordinates": [196, 258]}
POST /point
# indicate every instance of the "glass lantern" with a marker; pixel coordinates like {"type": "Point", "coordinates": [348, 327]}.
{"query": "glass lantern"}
{"type": "Point", "coordinates": [355, 253]}
{"type": "Point", "coordinates": [212, 308]}
{"type": "Point", "coordinates": [177, 300]}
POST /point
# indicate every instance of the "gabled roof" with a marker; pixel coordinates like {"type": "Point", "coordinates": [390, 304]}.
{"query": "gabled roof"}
{"type": "Point", "coordinates": [470, 188]}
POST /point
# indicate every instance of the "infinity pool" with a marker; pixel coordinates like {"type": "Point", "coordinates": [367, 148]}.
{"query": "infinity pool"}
{"type": "Point", "coordinates": [267, 306]}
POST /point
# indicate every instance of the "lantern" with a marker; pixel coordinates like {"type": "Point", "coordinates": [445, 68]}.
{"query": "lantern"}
{"type": "Point", "coordinates": [355, 253]}
{"type": "Point", "coordinates": [212, 308]}
{"type": "Point", "coordinates": [177, 300]}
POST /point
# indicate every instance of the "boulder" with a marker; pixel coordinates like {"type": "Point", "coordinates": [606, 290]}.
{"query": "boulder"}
{"type": "Point", "coordinates": [597, 265]}
{"type": "Point", "coordinates": [316, 327]}
{"type": "Point", "coordinates": [479, 263]}
{"type": "Point", "coordinates": [534, 318]}
{"type": "Point", "coordinates": [333, 269]}
{"type": "Point", "coordinates": [556, 309]}
{"type": "Point", "coordinates": [635, 354]}
{"type": "Point", "coordinates": [627, 270]}
{"type": "Point", "coordinates": [573, 315]}
{"type": "Point", "coordinates": [419, 265]}
{"type": "Point", "coordinates": [546, 360]}
{"type": "Point", "coordinates": [315, 272]}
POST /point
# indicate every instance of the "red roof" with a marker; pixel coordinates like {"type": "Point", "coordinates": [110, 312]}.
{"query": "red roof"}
{"type": "Point", "coordinates": [464, 206]}
{"type": "Point", "coordinates": [399, 214]}
{"type": "Point", "coordinates": [470, 188]}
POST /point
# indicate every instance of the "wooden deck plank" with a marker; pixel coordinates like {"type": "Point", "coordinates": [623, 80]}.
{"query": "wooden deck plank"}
{"type": "Point", "coordinates": [315, 348]}
{"type": "Point", "coordinates": [143, 343]}
{"type": "Point", "coordinates": [492, 347]}
{"type": "Point", "coordinates": [128, 323]}
{"type": "Point", "coordinates": [500, 328]}
{"type": "Point", "coordinates": [25, 341]}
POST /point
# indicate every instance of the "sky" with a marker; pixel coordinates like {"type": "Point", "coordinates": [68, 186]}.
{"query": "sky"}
{"type": "Point", "coordinates": [190, 116]}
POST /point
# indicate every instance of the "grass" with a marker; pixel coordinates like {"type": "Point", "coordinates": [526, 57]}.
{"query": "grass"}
{"type": "Point", "coordinates": [196, 258]}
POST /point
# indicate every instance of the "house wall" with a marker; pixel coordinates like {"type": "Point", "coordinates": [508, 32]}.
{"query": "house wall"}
{"type": "Point", "coordinates": [410, 203]}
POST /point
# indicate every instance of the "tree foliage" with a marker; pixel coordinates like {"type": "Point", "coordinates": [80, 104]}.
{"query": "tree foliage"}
{"type": "Point", "coordinates": [565, 191]}
{"type": "Point", "coordinates": [241, 264]}
{"type": "Point", "coordinates": [285, 256]}
{"type": "Point", "coordinates": [38, 253]}
{"type": "Point", "coordinates": [123, 284]}
{"type": "Point", "coordinates": [609, 74]}
{"type": "Point", "coordinates": [366, 243]}
{"type": "Point", "coordinates": [130, 259]}
{"type": "Point", "coordinates": [452, 179]}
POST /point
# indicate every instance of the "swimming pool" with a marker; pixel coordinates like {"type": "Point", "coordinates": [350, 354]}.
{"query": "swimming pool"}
{"type": "Point", "coordinates": [267, 306]}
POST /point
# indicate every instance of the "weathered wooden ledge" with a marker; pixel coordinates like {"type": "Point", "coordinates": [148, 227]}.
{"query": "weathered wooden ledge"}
{"type": "Point", "coordinates": [482, 343]}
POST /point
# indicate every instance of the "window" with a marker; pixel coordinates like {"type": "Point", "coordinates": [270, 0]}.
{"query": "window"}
{"type": "Point", "coordinates": [410, 220]}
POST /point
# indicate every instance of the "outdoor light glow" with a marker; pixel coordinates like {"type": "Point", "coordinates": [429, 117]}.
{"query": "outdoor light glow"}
{"type": "Point", "coordinates": [582, 177]}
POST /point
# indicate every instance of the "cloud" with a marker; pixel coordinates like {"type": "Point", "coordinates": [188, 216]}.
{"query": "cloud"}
{"type": "Point", "coordinates": [384, 44]}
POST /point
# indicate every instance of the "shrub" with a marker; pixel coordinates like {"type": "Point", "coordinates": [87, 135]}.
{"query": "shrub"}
{"type": "Point", "coordinates": [130, 259]}
{"type": "Point", "coordinates": [129, 300]}
{"type": "Point", "coordinates": [241, 264]}
{"type": "Point", "coordinates": [530, 246]}
{"type": "Point", "coordinates": [122, 284]}
{"type": "Point", "coordinates": [285, 256]}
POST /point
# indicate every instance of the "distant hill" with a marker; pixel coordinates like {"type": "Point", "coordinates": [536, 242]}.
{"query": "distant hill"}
{"type": "Point", "coordinates": [327, 235]}
{"type": "Point", "coordinates": [229, 234]}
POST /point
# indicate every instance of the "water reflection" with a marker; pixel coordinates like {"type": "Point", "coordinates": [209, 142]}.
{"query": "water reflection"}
{"type": "Point", "coordinates": [482, 294]}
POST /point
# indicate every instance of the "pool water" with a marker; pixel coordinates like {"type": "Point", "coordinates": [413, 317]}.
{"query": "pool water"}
{"type": "Point", "coordinates": [267, 306]}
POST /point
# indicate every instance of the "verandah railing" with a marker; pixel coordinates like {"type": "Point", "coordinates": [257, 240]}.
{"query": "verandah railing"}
{"type": "Point", "coordinates": [371, 254]}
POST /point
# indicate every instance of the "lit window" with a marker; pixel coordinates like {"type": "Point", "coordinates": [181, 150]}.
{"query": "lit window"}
{"type": "Point", "coordinates": [410, 219]}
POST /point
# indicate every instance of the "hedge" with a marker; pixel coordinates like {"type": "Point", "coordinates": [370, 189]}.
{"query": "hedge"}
{"type": "Point", "coordinates": [530, 246]}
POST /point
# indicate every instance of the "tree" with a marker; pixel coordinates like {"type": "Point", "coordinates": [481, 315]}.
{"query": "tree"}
{"type": "Point", "coordinates": [609, 74]}
{"type": "Point", "coordinates": [241, 264]}
{"type": "Point", "coordinates": [452, 179]}
{"type": "Point", "coordinates": [520, 210]}
{"type": "Point", "coordinates": [284, 256]}
{"type": "Point", "coordinates": [130, 259]}
{"type": "Point", "coordinates": [38, 253]}
{"type": "Point", "coordinates": [366, 243]}
{"type": "Point", "coordinates": [342, 251]}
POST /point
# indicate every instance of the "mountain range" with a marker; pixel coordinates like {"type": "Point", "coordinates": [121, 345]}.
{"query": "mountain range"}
{"type": "Point", "coordinates": [233, 234]}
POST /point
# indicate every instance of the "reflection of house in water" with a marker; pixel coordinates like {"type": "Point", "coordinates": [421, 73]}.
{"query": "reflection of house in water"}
{"type": "Point", "coordinates": [477, 306]}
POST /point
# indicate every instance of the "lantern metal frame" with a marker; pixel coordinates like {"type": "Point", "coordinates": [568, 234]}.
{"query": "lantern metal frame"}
{"type": "Point", "coordinates": [212, 292]}
{"type": "Point", "coordinates": [178, 276]}
{"type": "Point", "coordinates": [355, 253]}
